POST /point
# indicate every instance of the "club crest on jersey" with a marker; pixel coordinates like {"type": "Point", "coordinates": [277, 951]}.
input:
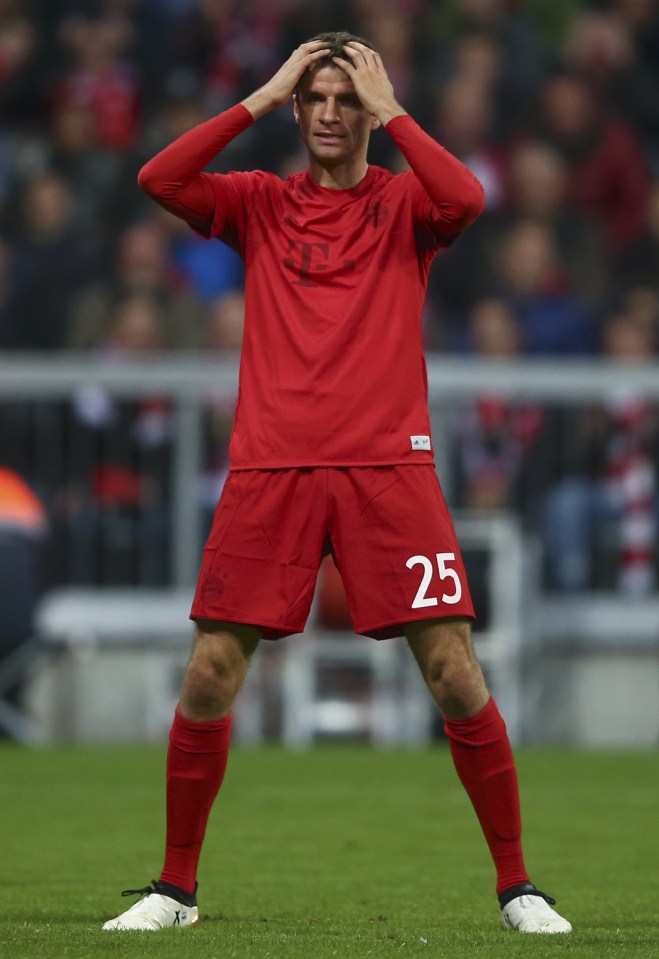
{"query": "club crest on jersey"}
{"type": "Point", "coordinates": [376, 213]}
{"type": "Point", "coordinates": [420, 442]}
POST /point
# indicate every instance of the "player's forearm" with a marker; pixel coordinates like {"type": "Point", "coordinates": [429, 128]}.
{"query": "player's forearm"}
{"type": "Point", "coordinates": [263, 101]}
{"type": "Point", "coordinates": [259, 103]}
{"type": "Point", "coordinates": [174, 177]}
{"type": "Point", "coordinates": [450, 185]}
{"type": "Point", "coordinates": [387, 112]}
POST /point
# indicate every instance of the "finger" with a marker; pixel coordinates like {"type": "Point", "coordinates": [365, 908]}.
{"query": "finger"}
{"type": "Point", "coordinates": [311, 44]}
{"type": "Point", "coordinates": [310, 51]}
{"type": "Point", "coordinates": [358, 55]}
{"type": "Point", "coordinates": [317, 54]}
{"type": "Point", "coordinates": [363, 49]}
{"type": "Point", "coordinates": [346, 65]}
{"type": "Point", "coordinates": [304, 59]}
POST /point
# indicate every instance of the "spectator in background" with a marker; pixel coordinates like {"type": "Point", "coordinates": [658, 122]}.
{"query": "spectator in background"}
{"type": "Point", "coordinates": [599, 49]}
{"type": "Point", "coordinates": [19, 65]}
{"type": "Point", "coordinates": [497, 444]}
{"type": "Point", "coordinates": [522, 52]}
{"type": "Point", "coordinates": [640, 263]}
{"type": "Point", "coordinates": [612, 502]}
{"type": "Point", "coordinates": [608, 177]}
{"type": "Point", "coordinates": [532, 281]}
{"type": "Point", "coordinates": [111, 515]}
{"type": "Point", "coordinates": [205, 270]}
{"type": "Point", "coordinates": [101, 77]}
{"type": "Point", "coordinates": [537, 187]}
{"type": "Point", "coordinates": [477, 56]}
{"type": "Point", "coordinates": [52, 260]}
{"type": "Point", "coordinates": [641, 18]}
{"type": "Point", "coordinates": [616, 51]}
{"type": "Point", "coordinates": [233, 45]}
{"type": "Point", "coordinates": [463, 124]}
{"type": "Point", "coordinates": [178, 113]}
{"type": "Point", "coordinates": [226, 320]}
{"type": "Point", "coordinates": [136, 329]}
{"type": "Point", "coordinates": [640, 304]}
{"type": "Point", "coordinates": [142, 267]}
{"type": "Point", "coordinates": [495, 440]}
{"type": "Point", "coordinates": [74, 153]}
{"type": "Point", "coordinates": [202, 271]}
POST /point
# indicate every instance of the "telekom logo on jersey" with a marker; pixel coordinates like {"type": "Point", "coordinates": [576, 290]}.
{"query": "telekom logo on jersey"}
{"type": "Point", "coordinates": [307, 258]}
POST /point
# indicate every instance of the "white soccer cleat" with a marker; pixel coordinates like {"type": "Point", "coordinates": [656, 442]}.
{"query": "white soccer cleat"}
{"type": "Point", "coordinates": [157, 908]}
{"type": "Point", "coordinates": [525, 909]}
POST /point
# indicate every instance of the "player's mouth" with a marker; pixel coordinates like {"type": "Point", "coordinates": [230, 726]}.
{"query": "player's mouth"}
{"type": "Point", "coordinates": [329, 138]}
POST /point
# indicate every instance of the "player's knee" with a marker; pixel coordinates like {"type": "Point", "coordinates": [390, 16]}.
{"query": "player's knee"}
{"type": "Point", "coordinates": [450, 667]}
{"type": "Point", "coordinates": [454, 677]}
{"type": "Point", "coordinates": [442, 649]}
{"type": "Point", "coordinates": [212, 680]}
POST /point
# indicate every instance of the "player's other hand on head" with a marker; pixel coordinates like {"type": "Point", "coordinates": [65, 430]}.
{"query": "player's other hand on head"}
{"type": "Point", "coordinates": [370, 80]}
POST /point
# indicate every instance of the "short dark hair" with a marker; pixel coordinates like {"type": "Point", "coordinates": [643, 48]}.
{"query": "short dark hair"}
{"type": "Point", "coordinates": [335, 40]}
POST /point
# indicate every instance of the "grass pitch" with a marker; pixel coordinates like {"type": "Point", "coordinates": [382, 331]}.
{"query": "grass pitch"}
{"type": "Point", "coordinates": [336, 852]}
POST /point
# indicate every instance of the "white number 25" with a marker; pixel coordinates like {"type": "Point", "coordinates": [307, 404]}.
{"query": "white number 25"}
{"type": "Point", "coordinates": [444, 571]}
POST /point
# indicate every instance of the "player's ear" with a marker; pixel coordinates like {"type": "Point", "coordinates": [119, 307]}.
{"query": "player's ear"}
{"type": "Point", "coordinates": [296, 109]}
{"type": "Point", "coordinates": [375, 123]}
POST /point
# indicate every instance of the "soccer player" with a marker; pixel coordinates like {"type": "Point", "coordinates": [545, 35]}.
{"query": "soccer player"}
{"type": "Point", "coordinates": [331, 448]}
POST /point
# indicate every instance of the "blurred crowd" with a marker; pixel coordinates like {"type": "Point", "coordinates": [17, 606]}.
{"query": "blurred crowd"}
{"type": "Point", "coordinates": [553, 104]}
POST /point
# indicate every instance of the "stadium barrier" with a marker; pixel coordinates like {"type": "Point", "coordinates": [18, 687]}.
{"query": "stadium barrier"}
{"type": "Point", "coordinates": [544, 640]}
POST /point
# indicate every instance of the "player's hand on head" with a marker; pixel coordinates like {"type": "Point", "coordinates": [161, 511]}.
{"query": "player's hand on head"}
{"type": "Point", "coordinates": [370, 80]}
{"type": "Point", "coordinates": [283, 83]}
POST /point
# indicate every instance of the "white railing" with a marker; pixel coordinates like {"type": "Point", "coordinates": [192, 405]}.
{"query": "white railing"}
{"type": "Point", "coordinates": [190, 379]}
{"type": "Point", "coordinates": [519, 614]}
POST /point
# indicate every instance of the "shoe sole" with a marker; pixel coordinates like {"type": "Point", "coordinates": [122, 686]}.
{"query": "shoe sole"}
{"type": "Point", "coordinates": [507, 927]}
{"type": "Point", "coordinates": [148, 928]}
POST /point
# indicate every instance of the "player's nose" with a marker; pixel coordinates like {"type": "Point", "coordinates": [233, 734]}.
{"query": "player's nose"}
{"type": "Point", "coordinates": [330, 113]}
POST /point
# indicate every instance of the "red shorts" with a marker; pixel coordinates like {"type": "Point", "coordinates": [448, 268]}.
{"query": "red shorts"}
{"type": "Point", "coordinates": [387, 527]}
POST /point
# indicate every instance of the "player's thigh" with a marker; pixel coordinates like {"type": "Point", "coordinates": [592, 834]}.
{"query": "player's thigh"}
{"type": "Point", "coordinates": [397, 549]}
{"type": "Point", "coordinates": [261, 558]}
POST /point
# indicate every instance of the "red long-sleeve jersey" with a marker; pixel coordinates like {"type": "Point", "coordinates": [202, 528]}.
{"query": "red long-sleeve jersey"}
{"type": "Point", "coordinates": [332, 370]}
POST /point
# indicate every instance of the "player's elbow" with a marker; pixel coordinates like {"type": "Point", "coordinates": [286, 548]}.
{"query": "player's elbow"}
{"type": "Point", "coordinates": [149, 180]}
{"type": "Point", "coordinates": [462, 211]}
{"type": "Point", "coordinates": [474, 203]}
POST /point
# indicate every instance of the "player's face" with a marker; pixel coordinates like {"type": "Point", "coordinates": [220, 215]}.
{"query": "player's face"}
{"type": "Point", "coordinates": [333, 123]}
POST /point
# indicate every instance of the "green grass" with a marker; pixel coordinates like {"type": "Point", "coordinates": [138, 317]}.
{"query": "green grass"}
{"type": "Point", "coordinates": [344, 852]}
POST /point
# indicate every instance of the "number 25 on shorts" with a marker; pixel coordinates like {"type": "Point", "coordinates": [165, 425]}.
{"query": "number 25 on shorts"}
{"type": "Point", "coordinates": [444, 572]}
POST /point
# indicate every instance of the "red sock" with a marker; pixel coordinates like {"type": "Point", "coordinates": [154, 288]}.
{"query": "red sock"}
{"type": "Point", "coordinates": [484, 762]}
{"type": "Point", "coordinates": [196, 761]}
